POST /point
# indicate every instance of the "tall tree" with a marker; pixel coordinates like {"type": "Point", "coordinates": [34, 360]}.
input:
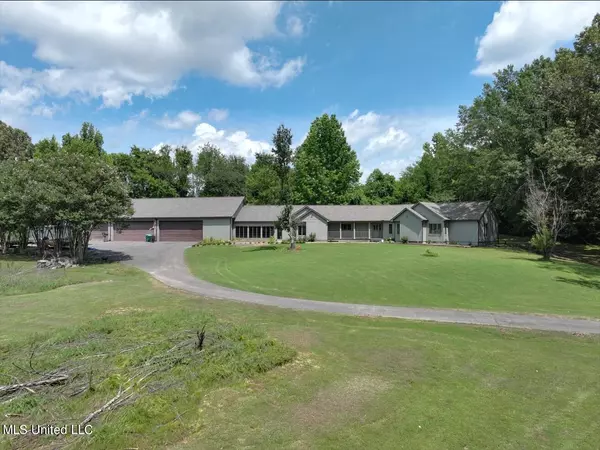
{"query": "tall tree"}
{"type": "Point", "coordinates": [327, 169]}
{"type": "Point", "coordinates": [14, 143]}
{"type": "Point", "coordinates": [89, 141]}
{"type": "Point", "coordinates": [380, 188]}
{"type": "Point", "coordinates": [282, 158]}
{"type": "Point", "coordinates": [218, 175]}
{"type": "Point", "coordinates": [262, 182]}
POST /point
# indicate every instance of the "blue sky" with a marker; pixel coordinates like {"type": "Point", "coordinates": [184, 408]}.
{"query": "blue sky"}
{"type": "Point", "coordinates": [229, 73]}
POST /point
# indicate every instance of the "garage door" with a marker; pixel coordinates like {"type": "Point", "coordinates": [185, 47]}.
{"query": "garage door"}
{"type": "Point", "coordinates": [135, 231]}
{"type": "Point", "coordinates": [99, 232]}
{"type": "Point", "coordinates": [184, 231]}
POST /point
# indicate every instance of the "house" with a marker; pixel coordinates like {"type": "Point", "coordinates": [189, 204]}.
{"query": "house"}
{"type": "Point", "coordinates": [195, 218]}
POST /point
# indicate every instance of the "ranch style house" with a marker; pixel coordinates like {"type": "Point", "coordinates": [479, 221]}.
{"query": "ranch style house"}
{"type": "Point", "coordinates": [195, 218]}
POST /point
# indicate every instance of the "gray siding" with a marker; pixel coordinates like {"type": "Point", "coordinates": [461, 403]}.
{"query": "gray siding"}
{"type": "Point", "coordinates": [217, 228]}
{"type": "Point", "coordinates": [410, 226]}
{"type": "Point", "coordinates": [432, 218]}
{"type": "Point", "coordinates": [386, 230]}
{"type": "Point", "coordinates": [315, 224]}
{"type": "Point", "coordinates": [463, 232]}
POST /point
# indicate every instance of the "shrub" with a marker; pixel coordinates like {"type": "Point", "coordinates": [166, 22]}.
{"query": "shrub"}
{"type": "Point", "coordinates": [390, 240]}
{"type": "Point", "coordinates": [430, 253]}
{"type": "Point", "coordinates": [404, 239]}
{"type": "Point", "coordinates": [312, 237]}
{"type": "Point", "coordinates": [285, 241]}
{"type": "Point", "coordinates": [543, 242]}
{"type": "Point", "coordinates": [272, 240]}
{"type": "Point", "coordinates": [212, 241]}
{"type": "Point", "coordinates": [301, 241]}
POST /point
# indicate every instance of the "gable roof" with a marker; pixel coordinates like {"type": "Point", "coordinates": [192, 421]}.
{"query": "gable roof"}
{"type": "Point", "coordinates": [411, 211]}
{"type": "Point", "coordinates": [185, 207]}
{"type": "Point", "coordinates": [434, 208]}
{"type": "Point", "coordinates": [463, 210]}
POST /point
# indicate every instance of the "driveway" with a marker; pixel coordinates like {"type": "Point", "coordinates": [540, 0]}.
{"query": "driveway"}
{"type": "Point", "coordinates": [165, 262]}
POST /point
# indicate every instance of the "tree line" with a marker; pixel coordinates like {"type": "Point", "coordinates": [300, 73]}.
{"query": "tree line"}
{"type": "Point", "coordinates": [539, 123]}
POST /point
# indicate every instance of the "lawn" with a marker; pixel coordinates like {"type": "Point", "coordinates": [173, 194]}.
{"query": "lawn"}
{"type": "Point", "coordinates": [353, 382]}
{"type": "Point", "coordinates": [386, 274]}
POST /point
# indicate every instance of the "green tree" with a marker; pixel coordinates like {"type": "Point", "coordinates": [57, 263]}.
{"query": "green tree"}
{"type": "Point", "coordinates": [262, 181]}
{"type": "Point", "coordinates": [327, 169]}
{"type": "Point", "coordinates": [14, 143]}
{"type": "Point", "coordinates": [46, 147]}
{"type": "Point", "coordinates": [89, 141]}
{"type": "Point", "coordinates": [380, 188]}
{"type": "Point", "coordinates": [218, 175]}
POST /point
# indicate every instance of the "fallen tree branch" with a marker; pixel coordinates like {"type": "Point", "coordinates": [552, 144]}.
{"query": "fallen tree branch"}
{"type": "Point", "coordinates": [44, 381]}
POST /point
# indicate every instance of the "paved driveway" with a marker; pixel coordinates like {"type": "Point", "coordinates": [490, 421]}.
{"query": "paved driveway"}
{"type": "Point", "coordinates": [165, 262]}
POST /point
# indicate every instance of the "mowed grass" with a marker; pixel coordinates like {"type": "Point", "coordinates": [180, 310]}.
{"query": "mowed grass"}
{"type": "Point", "coordinates": [354, 382]}
{"type": "Point", "coordinates": [386, 274]}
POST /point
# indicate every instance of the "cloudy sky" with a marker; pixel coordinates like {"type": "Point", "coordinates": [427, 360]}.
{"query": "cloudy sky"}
{"type": "Point", "coordinates": [230, 72]}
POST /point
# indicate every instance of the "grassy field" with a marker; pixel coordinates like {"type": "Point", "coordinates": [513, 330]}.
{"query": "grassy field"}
{"type": "Point", "coordinates": [385, 274]}
{"type": "Point", "coordinates": [353, 382]}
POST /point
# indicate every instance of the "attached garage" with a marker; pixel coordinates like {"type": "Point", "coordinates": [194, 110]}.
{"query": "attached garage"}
{"type": "Point", "coordinates": [100, 233]}
{"type": "Point", "coordinates": [134, 230]}
{"type": "Point", "coordinates": [180, 231]}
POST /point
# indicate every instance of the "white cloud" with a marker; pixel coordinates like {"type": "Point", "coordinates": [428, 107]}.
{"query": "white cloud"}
{"type": "Point", "coordinates": [522, 31]}
{"type": "Point", "coordinates": [185, 119]}
{"type": "Point", "coordinates": [218, 115]}
{"type": "Point", "coordinates": [117, 50]}
{"type": "Point", "coordinates": [390, 142]}
{"type": "Point", "coordinates": [230, 142]}
{"type": "Point", "coordinates": [294, 26]}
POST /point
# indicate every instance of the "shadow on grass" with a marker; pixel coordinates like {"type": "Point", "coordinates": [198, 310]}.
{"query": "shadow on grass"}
{"type": "Point", "coordinates": [261, 248]}
{"type": "Point", "coordinates": [591, 284]}
{"type": "Point", "coordinates": [567, 267]}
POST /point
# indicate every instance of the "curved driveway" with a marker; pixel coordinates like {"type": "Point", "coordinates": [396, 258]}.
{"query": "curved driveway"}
{"type": "Point", "coordinates": [165, 262]}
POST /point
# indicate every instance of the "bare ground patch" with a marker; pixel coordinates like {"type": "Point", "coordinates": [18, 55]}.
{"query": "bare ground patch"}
{"type": "Point", "coordinates": [339, 402]}
{"type": "Point", "coordinates": [300, 339]}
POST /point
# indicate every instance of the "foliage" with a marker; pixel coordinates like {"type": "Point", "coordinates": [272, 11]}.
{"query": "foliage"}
{"type": "Point", "coordinates": [272, 240]}
{"type": "Point", "coordinates": [381, 188]}
{"type": "Point", "coordinates": [327, 169]}
{"type": "Point", "coordinates": [312, 237]}
{"type": "Point", "coordinates": [218, 175]}
{"type": "Point", "coordinates": [404, 239]}
{"type": "Point", "coordinates": [14, 143]}
{"type": "Point", "coordinates": [543, 241]}
{"type": "Point", "coordinates": [430, 253]}
{"type": "Point", "coordinates": [212, 241]}
{"type": "Point", "coordinates": [262, 183]}
{"type": "Point", "coordinates": [540, 117]}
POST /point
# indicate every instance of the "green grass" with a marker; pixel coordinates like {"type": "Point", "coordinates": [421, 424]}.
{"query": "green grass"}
{"type": "Point", "coordinates": [385, 274]}
{"type": "Point", "coordinates": [354, 383]}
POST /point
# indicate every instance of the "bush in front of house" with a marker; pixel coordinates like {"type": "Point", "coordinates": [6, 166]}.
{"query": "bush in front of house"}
{"type": "Point", "coordinates": [312, 237]}
{"type": "Point", "coordinates": [212, 241]}
{"type": "Point", "coordinates": [404, 239]}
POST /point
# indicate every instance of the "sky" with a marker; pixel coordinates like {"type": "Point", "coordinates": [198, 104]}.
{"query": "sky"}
{"type": "Point", "coordinates": [147, 73]}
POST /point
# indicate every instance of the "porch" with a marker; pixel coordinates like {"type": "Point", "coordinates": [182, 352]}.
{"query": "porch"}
{"type": "Point", "coordinates": [350, 231]}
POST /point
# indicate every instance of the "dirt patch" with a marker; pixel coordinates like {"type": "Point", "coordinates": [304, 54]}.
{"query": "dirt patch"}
{"type": "Point", "coordinates": [120, 311]}
{"type": "Point", "coordinates": [340, 402]}
{"type": "Point", "coordinates": [299, 339]}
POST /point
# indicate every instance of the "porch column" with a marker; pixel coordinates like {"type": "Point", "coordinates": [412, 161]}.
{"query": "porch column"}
{"type": "Point", "coordinates": [354, 230]}
{"type": "Point", "coordinates": [110, 231]}
{"type": "Point", "coordinates": [340, 231]}
{"type": "Point", "coordinates": [425, 232]}
{"type": "Point", "coordinates": [261, 229]}
{"type": "Point", "coordinates": [369, 230]}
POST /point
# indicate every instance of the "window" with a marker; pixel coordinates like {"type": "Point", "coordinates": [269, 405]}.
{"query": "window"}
{"type": "Point", "coordinates": [346, 227]}
{"type": "Point", "coordinates": [377, 226]}
{"type": "Point", "coordinates": [253, 232]}
{"type": "Point", "coordinates": [241, 232]}
{"type": "Point", "coordinates": [397, 228]}
{"type": "Point", "coordinates": [435, 228]}
{"type": "Point", "coordinates": [301, 230]}
{"type": "Point", "coordinates": [267, 232]}
{"type": "Point", "coordinates": [279, 233]}
{"type": "Point", "coordinates": [391, 228]}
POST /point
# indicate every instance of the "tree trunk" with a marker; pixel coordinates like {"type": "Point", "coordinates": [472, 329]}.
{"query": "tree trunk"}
{"type": "Point", "coordinates": [292, 244]}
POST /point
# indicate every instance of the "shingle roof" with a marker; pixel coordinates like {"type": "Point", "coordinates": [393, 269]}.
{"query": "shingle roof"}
{"type": "Point", "coordinates": [261, 213]}
{"type": "Point", "coordinates": [463, 210]}
{"type": "Point", "coordinates": [358, 213]}
{"type": "Point", "coordinates": [185, 207]}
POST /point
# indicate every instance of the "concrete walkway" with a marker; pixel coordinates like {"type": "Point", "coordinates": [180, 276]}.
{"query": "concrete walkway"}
{"type": "Point", "coordinates": [165, 262]}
